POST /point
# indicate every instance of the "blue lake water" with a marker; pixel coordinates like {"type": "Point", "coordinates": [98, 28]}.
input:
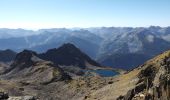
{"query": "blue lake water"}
{"type": "Point", "coordinates": [105, 73]}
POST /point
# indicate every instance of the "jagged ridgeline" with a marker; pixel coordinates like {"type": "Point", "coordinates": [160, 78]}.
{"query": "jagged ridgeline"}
{"type": "Point", "coordinates": [31, 69]}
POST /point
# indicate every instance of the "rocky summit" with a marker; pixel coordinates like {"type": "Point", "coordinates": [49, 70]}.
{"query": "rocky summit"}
{"type": "Point", "coordinates": [68, 55]}
{"type": "Point", "coordinates": [31, 69]}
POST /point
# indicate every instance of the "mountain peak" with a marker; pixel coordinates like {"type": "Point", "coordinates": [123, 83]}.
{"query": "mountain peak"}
{"type": "Point", "coordinates": [25, 56]}
{"type": "Point", "coordinates": [24, 59]}
{"type": "Point", "coordinates": [68, 45]}
{"type": "Point", "coordinates": [70, 48]}
{"type": "Point", "coordinates": [68, 54]}
{"type": "Point", "coordinates": [29, 67]}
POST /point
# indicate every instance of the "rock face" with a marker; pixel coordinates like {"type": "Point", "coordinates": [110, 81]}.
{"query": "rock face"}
{"type": "Point", "coordinates": [154, 80]}
{"type": "Point", "coordinates": [29, 68]}
{"type": "Point", "coordinates": [68, 55]}
{"type": "Point", "coordinates": [3, 67]}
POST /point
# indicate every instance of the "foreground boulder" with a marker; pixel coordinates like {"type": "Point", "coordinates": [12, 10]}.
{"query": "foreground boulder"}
{"type": "Point", "coordinates": [3, 96]}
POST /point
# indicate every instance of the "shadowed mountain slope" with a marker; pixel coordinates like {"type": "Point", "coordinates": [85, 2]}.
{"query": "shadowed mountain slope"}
{"type": "Point", "coordinates": [68, 55]}
{"type": "Point", "coordinates": [7, 55]}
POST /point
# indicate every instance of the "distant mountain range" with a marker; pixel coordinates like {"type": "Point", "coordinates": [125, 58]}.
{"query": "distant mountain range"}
{"type": "Point", "coordinates": [120, 47]}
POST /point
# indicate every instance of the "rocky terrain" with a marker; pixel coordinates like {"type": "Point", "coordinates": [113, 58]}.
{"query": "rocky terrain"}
{"type": "Point", "coordinates": [149, 81]}
{"type": "Point", "coordinates": [30, 76]}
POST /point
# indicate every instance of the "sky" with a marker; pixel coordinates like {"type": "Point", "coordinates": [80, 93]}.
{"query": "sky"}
{"type": "Point", "coordinates": [36, 14]}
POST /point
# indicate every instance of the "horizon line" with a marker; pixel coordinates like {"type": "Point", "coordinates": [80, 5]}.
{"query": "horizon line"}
{"type": "Point", "coordinates": [26, 28]}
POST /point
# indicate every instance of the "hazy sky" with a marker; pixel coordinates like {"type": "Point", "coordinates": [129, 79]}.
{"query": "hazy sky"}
{"type": "Point", "coordinates": [83, 13]}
